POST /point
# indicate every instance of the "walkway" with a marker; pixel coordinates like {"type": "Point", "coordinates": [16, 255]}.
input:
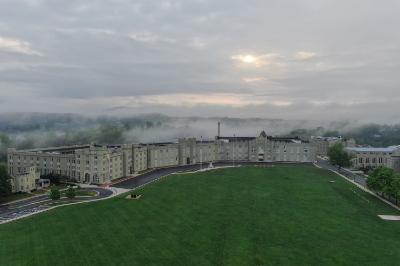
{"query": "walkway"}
{"type": "Point", "coordinates": [29, 206]}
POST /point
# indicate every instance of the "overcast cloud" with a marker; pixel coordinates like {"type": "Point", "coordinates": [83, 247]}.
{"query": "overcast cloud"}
{"type": "Point", "coordinates": [308, 59]}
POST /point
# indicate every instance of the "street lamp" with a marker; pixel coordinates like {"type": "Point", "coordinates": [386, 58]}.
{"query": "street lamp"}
{"type": "Point", "coordinates": [233, 152]}
{"type": "Point", "coordinates": [201, 153]}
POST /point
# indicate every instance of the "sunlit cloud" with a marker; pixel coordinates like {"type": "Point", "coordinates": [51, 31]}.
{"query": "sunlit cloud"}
{"type": "Point", "coordinates": [200, 99]}
{"type": "Point", "coordinates": [149, 37]}
{"type": "Point", "coordinates": [187, 100]}
{"type": "Point", "coordinates": [253, 79]}
{"type": "Point", "coordinates": [17, 46]}
{"type": "Point", "coordinates": [252, 60]}
{"type": "Point", "coordinates": [281, 103]}
{"type": "Point", "coordinates": [302, 55]}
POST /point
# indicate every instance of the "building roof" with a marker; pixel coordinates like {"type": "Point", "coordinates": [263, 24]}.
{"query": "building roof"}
{"type": "Point", "coordinates": [329, 138]}
{"type": "Point", "coordinates": [285, 139]}
{"type": "Point", "coordinates": [263, 134]}
{"type": "Point", "coordinates": [271, 138]}
{"type": "Point", "coordinates": [236, 138]}
{"type": "Point", "coordinates": [58, 150]}
{"type": "Point", "coordinates": [373, 149]}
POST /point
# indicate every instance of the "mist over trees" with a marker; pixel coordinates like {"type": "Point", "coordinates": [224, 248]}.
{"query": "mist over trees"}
{"type": "Point", "coordinates": [32, 130]}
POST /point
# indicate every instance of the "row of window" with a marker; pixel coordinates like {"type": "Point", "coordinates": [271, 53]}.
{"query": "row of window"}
{"type": "Point", "coordinates": [372, 160]}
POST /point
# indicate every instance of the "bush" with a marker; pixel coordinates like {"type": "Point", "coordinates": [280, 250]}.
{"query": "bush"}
{"type": "Point", "coordinates": [70, 193]}
{"type": "Point", "coordinates": [55, 193]}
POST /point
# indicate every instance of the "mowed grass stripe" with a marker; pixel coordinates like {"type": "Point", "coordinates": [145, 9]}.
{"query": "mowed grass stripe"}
{"type": "Point", "coordinates": [290, 215]}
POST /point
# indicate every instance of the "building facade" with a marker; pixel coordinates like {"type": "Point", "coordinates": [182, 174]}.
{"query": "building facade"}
{"type": "Point", "coordinates": [265, 149]}
{"type": "Point", "coordinates": [322, 144]}
{"type": "Point", "coordinates": [162, 155]}
{"type": "Point", "coordinates": [85, 164]}
{"type": "Point", "coordinates": [100, 164]}
{"type": "Point", "coordinates": [25, 181]}
{"type": "Point", "coordinates": [370, 158]}
{"type": "Point", "coordinates": [139, 158]}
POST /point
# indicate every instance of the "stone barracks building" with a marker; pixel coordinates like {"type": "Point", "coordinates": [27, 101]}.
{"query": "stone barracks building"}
{"type": "Point", "coordinates": [99, 164]}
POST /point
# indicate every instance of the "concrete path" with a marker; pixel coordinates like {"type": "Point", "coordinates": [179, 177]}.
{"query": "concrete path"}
{"type": "Point", "coordinates": [30, 206]}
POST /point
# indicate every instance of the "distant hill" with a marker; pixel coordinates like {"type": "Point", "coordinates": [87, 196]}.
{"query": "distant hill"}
{"type": "Point", "coordinates": [28, 130]}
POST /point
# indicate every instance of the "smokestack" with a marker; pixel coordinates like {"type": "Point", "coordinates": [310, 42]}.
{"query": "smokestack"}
{"type": "Point", "coordinates": [219, 129]}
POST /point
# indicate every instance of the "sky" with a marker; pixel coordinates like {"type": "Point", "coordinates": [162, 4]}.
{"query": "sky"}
{"type": "Point", "coordinates": [305, 59]}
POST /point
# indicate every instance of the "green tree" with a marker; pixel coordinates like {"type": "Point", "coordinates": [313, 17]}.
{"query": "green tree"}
{"type": "Point", "coordinates": [339, 156]}
{"type": "Point", "coordinates": [55, 193]}
{"type": "Point", "coordinates": [5, 140]}
{"type": "Point", "coordinates": [395, 187]}
{"type": "Point", "coordinates": [381, 180]}
{"type": "Point", "coordinates": [70, 193]}
{"type": "Point", "coordinates": [5, 185]}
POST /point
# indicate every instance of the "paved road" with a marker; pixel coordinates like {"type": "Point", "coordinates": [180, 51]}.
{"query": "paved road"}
{"type": "Point", "coordinates": [39, 203]}
{"type": "Point", "coordinates": [154, 175]}
{"type": "Point", "coordinates": [360, 179]}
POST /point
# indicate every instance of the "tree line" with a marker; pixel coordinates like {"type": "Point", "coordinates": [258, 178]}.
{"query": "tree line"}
{"type": "Point", "coordinates": [5, 185]}
{"type": "Point", "coordinates": [385, 181]}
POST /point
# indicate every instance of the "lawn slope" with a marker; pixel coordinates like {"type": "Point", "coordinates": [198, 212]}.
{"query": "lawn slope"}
{"type": "Point", "coordinates": [288, 215]}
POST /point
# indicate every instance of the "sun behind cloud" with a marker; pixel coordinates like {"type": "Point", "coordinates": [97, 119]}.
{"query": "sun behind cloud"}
{"type": "Point", "coordinates": [247, 59]}
{"type": "Point", "coordinates": [253, 60]}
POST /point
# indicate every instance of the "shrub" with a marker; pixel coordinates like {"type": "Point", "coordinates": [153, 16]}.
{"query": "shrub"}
{"type": "Point", "coordinates": [70, 193]}
{"type": "Point", "coordinates": [55, 193]}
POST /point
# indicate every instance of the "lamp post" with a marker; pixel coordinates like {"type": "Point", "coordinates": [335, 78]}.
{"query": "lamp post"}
{"type": "Point", "coordinates": [201, 153]}
{"type": "Point", "coordinates": [233, 151]}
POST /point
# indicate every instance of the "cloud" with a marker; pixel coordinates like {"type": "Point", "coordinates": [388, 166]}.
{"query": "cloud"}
{"type": "Point", "coordinates": [253, 79]}
{"type": "Point", "coordinates": [17, 46]}
{"type": "Point", "coordinates": [201, 57]}
{"type": "Point", "coordinates": [254, 60]}
{"type": "Point", "coordinates": [219, 99]}
{"type": "Point", "coordinates": [148, 37]}
{"type": "Point", "coordinates": [198, 43]}
{"type": "Point", "coordinates": [179, 100]}
{"type": "Point", "coordinates": [302, 55]}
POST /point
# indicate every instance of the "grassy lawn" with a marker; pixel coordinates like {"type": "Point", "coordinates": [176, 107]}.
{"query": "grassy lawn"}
{"type": "Point", "coordinates": [81, 193]}
{"type": "Point", "coordinates": [286, 215]}
{"type": "Point", "coordinates": [40, 192]}
{"type": "Point", "coordinates": [86, 193]}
